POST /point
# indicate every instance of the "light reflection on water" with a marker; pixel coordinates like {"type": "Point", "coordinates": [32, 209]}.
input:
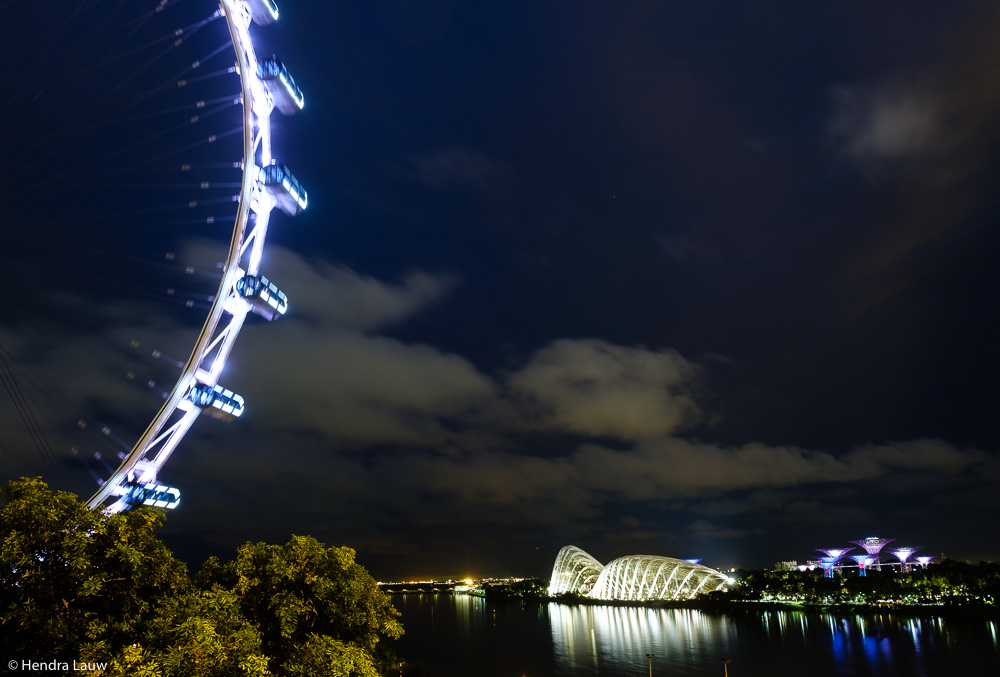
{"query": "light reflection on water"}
{"type": "Point", "coordinates": [596, 640]}
{"type": "Point", "coordinates": [612, 640]}
{"type": "Point", "coordinates": [456, 635]}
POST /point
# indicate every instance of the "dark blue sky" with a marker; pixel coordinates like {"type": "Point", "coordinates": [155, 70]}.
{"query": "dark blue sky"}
{"type": "Point", "coordinates": [693, 279]}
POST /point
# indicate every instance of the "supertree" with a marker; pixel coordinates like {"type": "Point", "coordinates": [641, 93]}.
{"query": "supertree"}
{"type": "Point", "coordinates": [924, 560]}
{"type": "Point", "coordinates": [872, 545]}
{"type": "Point", "coordinates": [863, 562]}
{"type": "Point", "coordinates": [904, 554]}
{"type": "Point", "coordinates": [832, 555]}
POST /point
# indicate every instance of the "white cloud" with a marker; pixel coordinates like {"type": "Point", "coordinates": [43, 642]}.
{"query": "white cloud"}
{"type": "Point", "coordinates": [673, 467]}
{"type": "Point", "coordinates": [333, 295]}
{"type": "Point", "coordinates": [322, 369]}
{"type": "Point", "coordinates": [885, 124]}
{"type": "Point", "coordinates": [322, 380]}
{"type": "Point", "coordinates": [356, 389]}
{"type": "Point", "coordinates": [780, 485]}
{"type": "Point", "coordinates": [592, 387]}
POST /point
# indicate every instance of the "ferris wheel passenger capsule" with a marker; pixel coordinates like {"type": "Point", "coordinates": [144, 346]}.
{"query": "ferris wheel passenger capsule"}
{"type": "Point", "coordinates": [288, 193]}
{"type": "Point", "coordinates": [265, 298]}
{"type": "Point", "coordinates": [262, 188]}
{"type": "Point", "coordinates": [217, 402]}
{"type": "Point", "coordinates": [263, 12]}
{"type": "Point", "coordinates": [280, 85]}
{"type": "Point", "coordinates": [151, 494]}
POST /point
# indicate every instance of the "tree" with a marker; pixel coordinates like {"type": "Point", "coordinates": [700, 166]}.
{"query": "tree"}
{"type": "Point", "coordinates": [85, 586]}
{"type": "Point", "coordinates": [324, 655]}
{"type": "Point", "coordinates": [195, 634]}
{"type": "Point", "coordinates": [76, 582]}
{"type": "Point", "coordinates": [314, 605]}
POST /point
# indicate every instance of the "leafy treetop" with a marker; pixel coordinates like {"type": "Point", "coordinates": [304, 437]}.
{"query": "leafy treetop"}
{"type": "Point", "coordinates": [85, 586]}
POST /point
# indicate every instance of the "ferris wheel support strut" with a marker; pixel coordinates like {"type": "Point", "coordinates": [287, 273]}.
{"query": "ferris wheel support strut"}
{"type": "Point", "coordinates": [197, 390]}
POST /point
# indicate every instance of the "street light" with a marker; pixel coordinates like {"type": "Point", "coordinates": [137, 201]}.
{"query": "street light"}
{"type": "Point", "coordinates": [725, 666]}
{"type": "Point", "coordinates": [650, 657]}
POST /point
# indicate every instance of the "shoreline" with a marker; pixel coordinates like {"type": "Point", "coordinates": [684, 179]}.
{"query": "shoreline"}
{"type": "Point", "coordinates": [812, 608]}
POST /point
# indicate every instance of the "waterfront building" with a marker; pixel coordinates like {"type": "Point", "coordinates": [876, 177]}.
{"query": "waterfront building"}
{"type": "Point", "coordinates": [632, 578]}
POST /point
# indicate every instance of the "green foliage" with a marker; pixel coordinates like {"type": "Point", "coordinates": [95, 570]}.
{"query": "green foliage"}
{"type": "Point", "coordinates": [79, 585]}
{"type": "Point", "coordinates": [72, 579]}
{"type": "Point", "coordinates": [202, 633]}
{"type": "Point", "coordinates": [323, 655]}
{"type": "Point", "coordinates": [948, 583]}
{"type": "Point", "coordinates": [303, 589]}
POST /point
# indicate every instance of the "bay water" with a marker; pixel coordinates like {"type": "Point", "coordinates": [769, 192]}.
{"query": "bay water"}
{"type": "Point", "coordinates": [467, 636]}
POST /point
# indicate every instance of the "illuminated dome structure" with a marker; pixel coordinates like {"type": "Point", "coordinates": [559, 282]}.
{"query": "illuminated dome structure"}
{"type": "Point", "coordinates": [631, 578]}
{"type": "Point", "coordinates": [574, 571]}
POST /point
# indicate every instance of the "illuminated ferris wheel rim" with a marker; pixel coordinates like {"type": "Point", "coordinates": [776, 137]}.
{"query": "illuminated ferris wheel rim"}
{"type": "Point", "coordinates": [265, 86]}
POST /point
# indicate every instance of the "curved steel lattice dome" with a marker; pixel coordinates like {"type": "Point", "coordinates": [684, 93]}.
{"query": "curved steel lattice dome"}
{"type": "Point", "coordinates": [631, 578]}
{"type": "Point", "coordinates": [574, 571]}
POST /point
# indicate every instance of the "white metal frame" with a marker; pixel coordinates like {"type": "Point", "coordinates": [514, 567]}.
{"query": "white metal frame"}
{"type": "Point", "coordinates": [215, 342]}
{"type": "Point", "coordinates": [631, 578]}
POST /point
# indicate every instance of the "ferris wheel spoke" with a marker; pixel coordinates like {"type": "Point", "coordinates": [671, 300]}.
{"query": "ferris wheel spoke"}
{"type": "Point", "coordinates": [264, 86]}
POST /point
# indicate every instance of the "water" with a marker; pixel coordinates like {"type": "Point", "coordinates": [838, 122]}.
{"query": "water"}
{"type": "Point", "coordinates": [464, 636]}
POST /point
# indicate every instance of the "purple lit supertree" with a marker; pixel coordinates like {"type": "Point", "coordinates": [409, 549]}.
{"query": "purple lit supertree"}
{"type": "Point", "coordinates": [863, 562]}
{"type": "Point", "coordinates": [827, 563]}
{"type": "Point", "coordinates": [872, 545]}
{"type": "Point", "coordinates": [832, 555]}
{"type": "Point", "coordinates": [904, 554]}
{"type": "Point", "coordinates": [924, 560]}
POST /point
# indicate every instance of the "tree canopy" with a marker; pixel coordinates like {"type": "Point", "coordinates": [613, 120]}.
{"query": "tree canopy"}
{"type": "Point", "coordinates": [948, 583]}
{"type": "Point", "coordinates": [102, 590]}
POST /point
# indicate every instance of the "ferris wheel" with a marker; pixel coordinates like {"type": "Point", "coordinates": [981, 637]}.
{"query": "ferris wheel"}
{"type": "Point", "coordinates": [266, 184]}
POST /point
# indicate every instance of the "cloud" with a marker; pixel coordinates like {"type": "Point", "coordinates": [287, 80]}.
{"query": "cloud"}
{"type": "Point", "coordinates": [332, 295]}
{"type": "Point", "coordinates": [674, 467]}
{"type": "Point", "coordinates": [929, 138]}
{"type": "Point", "coordinates": [338, 296]}
{"type": "Point", "coordinates": [85, 375]}
{"type": "Point", "coordinates": [501, 479]}
{"type": "Point", "coordinates": [884, 125]}
{"type": "Point", "coordinates": [680, 475]}
{"type": "Point", "coordinates": [937, 122]}
{"type": "Point", "coordinates": [467, 446]}
{"type": "Point", "coordinates": [324, 368]}
{"type": "Point", "coordinates": [925, 454]}
{"type": "Point", "coordinates": [786, 504]}
{"type": "Point", "coordinates": [592, 387]}
{"type": "Point", "coordinates": [353, 389]}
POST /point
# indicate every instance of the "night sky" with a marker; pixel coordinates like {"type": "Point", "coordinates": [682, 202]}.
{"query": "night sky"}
{"type": "Point", "coordinates": [696, 279]}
